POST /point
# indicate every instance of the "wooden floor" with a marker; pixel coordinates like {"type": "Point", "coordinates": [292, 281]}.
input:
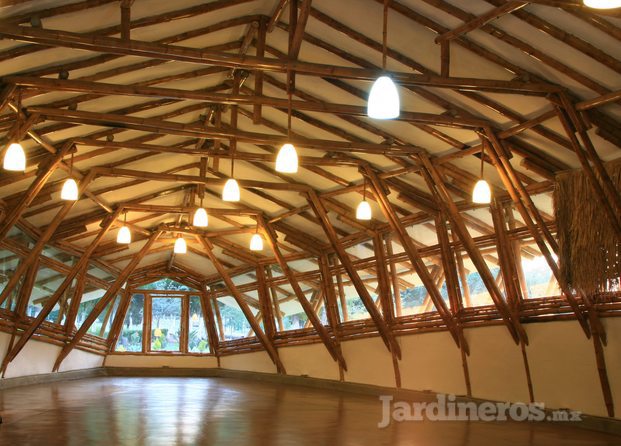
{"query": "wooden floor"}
{"type": "Point", "coordinates": [221, 411]}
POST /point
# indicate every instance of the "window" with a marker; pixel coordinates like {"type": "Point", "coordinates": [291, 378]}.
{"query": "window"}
{"type": "Point", "coordinates": [166, 324]}
{"type": "Point", "coordinates": [130, 339]}
{"type": "Point", "coordinates": [198, 341]}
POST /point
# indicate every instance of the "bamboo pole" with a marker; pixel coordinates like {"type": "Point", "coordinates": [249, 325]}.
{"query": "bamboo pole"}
{"type": "Point", "coordinates": [263, 339]}
{"type": "Point", "coordinates": [320, 212]}
{"type": "Point", "coordinates": [108, 297]}
{"type": "Point", "coordinates": [327, 340]}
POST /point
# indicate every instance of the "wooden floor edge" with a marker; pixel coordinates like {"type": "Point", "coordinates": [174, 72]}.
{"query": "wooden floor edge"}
{"type": "Point", "coordinates": [589, 422]}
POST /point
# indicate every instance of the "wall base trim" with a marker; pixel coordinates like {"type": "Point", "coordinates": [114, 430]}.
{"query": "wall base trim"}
{"type": "Point", "coordinates": [46, 378]}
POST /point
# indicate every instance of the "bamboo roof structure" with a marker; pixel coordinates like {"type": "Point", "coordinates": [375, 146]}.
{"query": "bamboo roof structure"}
{"type": "Point", "coordinates": [147, 104]}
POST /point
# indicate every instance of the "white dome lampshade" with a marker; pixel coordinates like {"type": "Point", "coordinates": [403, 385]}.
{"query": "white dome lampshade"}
{"type": "Point", "coordinates": [181, 247]}
{"type": "Point", "coordinates": [15, 158]}
{"type": "Point", "coordinates": [69, 191]}
{"type": "Point", "coordinates": [603, 4]}
{"type": "Point", "coordinates": [200, 220]}
{"type": "Point", "coordinates": [231, 190]}
{"type": "Point", "coordinates": [383, 100]}
{"type": "Point", "coordinates": [256, 243]}
{"type": "Point", "coordinates": [124, 236]}
{"type": "Point", "coordinates": [363, 211]}
{"type": "Point", "coordinates": [287, 159]}
{"type": "Point", "coordinates": [481, 193]}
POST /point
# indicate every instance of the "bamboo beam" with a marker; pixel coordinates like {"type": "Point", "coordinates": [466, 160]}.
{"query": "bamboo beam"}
{"type": "Point", "coordinates": [105, 300]}
{"type": "Point", "coordinates": [76, 298]}
{"type": "Point", "coordinates": [258, 74]}
{"type": "Point", "coordinates": [278, 10]}
{"type": "Point", "coordinates": [506, 8]}
{"type": "Point", "coordinates": [40, 244]}
{"type": "Point", "coordinates": [210, 323]}
{"type": "Point", "coordinates": [411, 251]}
{"type": "Point", "coordinates": [26, 290]}
{"type": "Point", "coordinates": [267, 343]}
{"type": "Point", "coordinates": [5, 95]}
{"type": "Point", "coordinates": [119, 319]}
{"type": "Point", "coordinates": [502, 167]}
{"type": "Point", "coordinates": [265, 303]}
{"type": "Point", "coordinates": [599, 101]}
{"type": "Point", "coordinates": [45, 172]}
{"type": "Point", "coordinates": [363, 293]}
{"type": "Point", "coordinates": [435, 180]}
{"type": "Point", "coordinates": [190, 130]}
{"type": "Point", "coordinates": [191, 55]}
{"type": "Point", "coordinates": [126, 19]}
{"type": "Point", "coordinates": [326, 338]}
{"type": "Point", "coordinates": [81, 268]}
{"type": "Point", "coordinates": [300, 26]}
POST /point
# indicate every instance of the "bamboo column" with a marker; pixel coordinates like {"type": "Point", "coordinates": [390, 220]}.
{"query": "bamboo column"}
{"type": "Point", "coordinates": [263, 339]}
{"type": "Point", "coordinates": [43, 239]}
{"type": "Point", "coordinates": [106, 299]}
{"type": "Point", "coordinates": [327, 340]}
{"type": "Point", "coordinates": [363, 293]}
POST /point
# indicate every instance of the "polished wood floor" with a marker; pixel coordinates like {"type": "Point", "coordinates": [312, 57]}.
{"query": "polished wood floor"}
{"type": "Point", "coordinates": [221, 411]}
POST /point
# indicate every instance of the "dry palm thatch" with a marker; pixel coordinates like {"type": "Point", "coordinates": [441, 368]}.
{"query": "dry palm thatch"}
{"type": "Point", "coordinates": [590, 252]}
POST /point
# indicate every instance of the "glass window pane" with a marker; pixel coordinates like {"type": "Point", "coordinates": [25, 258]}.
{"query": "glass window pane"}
{"type": "Point", "coordinates": [130, 339]}
{"type": "Point", "coordinates": [198, 341]}
{"type": "Point", "coordinates": [165, 324]}
{"type": "Point", "coordinates": [101, 326]}
{"type": "Point", "coordinates": [234, 323]}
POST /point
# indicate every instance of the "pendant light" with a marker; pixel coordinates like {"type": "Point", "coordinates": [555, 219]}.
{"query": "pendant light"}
{"type": "Point", "coordinates": [124, 236]}
{"type": "Point", "coordinates": [256, 242]}
{"type": "Point", "coordinates": [383, 100]}
{"type": "Point", "coordinates": [201, 219]}
{"type": "Point", "coordinates": [231, 188]}
{"type": "Point", "coordinates": [15, 157]}
{"type": "Point", "coordinates": [603, 4]}
{"type": "Point", "coordinates": [363, 211]}
{"type": "Point", "coordinates": [287, 159]}
{"type": "Point", "coordinates": [181, 247]}
{"type": "Point", "coordinates": [69, 191]}
{"type": "Point", "coordinates": [481, 194]}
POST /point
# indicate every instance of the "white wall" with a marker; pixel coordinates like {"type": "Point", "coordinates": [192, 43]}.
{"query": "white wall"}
{"type": "Point", "coordinates": [252, 362]}
{"type": "Point", "coordinates": [496, 365]}
{"type": "Point", "coordinates": [38, 357]}
{"type": "Point", "coordinates": [563, 367]}
{"type": "Point", "coordinates": [561, 359]}
{"type": "Point", "coordinates": [431, 361]}
{"type": "Point", "coordinates": [171, 361]}
{"type": "Point", "coordinates": [312, 360]}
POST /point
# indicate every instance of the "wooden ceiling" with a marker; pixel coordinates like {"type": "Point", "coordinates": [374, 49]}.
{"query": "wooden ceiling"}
{"type": "Point", "coordinates": [154, 98]}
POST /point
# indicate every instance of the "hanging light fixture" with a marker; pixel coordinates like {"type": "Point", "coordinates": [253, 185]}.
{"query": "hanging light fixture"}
{"type": "Point", "coordinates": [231, 188]}
{"type": "Point", "coordinates": [482, 194]}
{"type": "Point", "coordinates": [15, 157]}
{"type": "Point", "coordinates": [124, 236]}
{"type": "Point", "coordinates": [383, 100]}
{"type": "Point", "coordinates": [181, 247]}
{"type": "Point", "coordinates": [287, 159]}
{"type": "Point", "coordinates": [603, 4]}
{"type": "Point", "coordinates": [201, 219]}
{"type": "Point", "coordinates": [363, 211]}
{"type": "Point", "coordinates": [256, 242]}
{"type": "Point", "coordinates": [195, 318]}
{"type": "Point", "coordinates": [69, 191]}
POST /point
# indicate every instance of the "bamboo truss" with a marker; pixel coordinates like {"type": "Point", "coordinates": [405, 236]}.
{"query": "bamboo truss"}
{"type": "Point", "coordinates": [146, 144]}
